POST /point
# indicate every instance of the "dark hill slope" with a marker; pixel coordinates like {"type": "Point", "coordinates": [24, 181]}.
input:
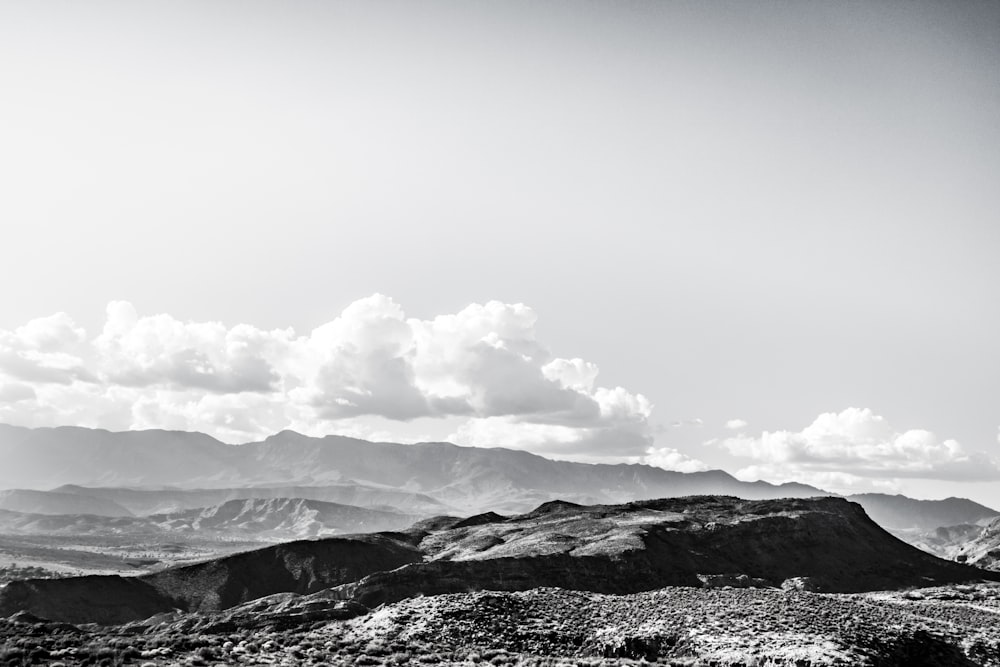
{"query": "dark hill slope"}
{"type": "Point", "coordinates": [298, 567]}
{"type": "Point", "coordinates": [825, 544]}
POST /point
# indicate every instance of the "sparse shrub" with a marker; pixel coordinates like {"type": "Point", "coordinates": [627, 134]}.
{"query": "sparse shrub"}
{"type": "Point", "coordinates": [206, 653]}
{"type": "Point", "coordinates": [377, 647]}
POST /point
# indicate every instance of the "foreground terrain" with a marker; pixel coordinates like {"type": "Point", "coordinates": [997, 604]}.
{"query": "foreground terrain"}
{"type": "Point", "coordinates": [954, 625]}
{"type": "Point", "coordinates": [703, 580]}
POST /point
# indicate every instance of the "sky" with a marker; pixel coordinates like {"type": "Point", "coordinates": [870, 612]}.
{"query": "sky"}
{"type": "Point", "coordinates": [761, 237]}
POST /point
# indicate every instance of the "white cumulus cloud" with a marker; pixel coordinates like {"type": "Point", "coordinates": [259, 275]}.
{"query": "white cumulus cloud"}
{"type": "Point", "coordinates": [736, 424]}
{"type": "Point", "coordinates": [856, 447]}
{"type": "Point", "coordinates": [483, 365]}
{"type": "Point", "coordinates": [671, 459]}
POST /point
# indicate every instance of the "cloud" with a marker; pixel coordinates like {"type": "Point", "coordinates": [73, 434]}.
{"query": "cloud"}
{"type": "Point", "coordinates": [611, 440]}
{"type": "Point", "coordinates": [671, 459]}
{"type": "Point", "coordinates": [160, 351]}
{"type": "Point", "coordinates": [856, 446]}
{"type": "Point", "coordinates": [483, 364]}
{"type": "Point", "coordinates": [736, 424]}
{"type": "Point", "coordinates": [45, 350]}
{"type": "Point", "coordinates": [16, 391]}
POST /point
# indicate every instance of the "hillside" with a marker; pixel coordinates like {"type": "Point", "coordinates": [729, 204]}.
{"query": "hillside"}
{"type": "Point", "coordinates": [299, 567]}
{"type": "Point", "coordinates": [973, 544]}
{"type": "Point", "coordinates": [48, 502]}
{"type": "Point", "coordinates": [143, 501]}
{"type": "Point", "coordinates": [983, 550]}
{"type": "Point", "coordinates": [284, 518]}
{"type": "Point", "coordinates": [259, 519]}
{"type": "Point", "coordinates": [824, 544]}
{"type": "Point", "coordinates": [469, 479]}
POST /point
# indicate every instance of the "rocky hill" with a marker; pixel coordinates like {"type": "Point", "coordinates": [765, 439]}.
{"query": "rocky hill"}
{"type": "Point", "coordinates": [283, 518]}
{"type": "Point", "coordinates": [984, 549]}
{"type": "Point", "coordinates": [966, 543]}
{"type": "Point", "coordinates": [823, 544]}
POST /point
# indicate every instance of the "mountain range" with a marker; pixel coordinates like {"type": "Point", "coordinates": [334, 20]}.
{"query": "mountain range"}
{"type": "Point", "coordinates": [72, 470]}
{"type": "Point", "coordinates": [466, 479]}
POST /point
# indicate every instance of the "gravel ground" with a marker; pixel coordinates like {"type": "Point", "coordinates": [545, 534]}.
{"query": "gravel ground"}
{"type": "Point", "coordinates": [955, 625]}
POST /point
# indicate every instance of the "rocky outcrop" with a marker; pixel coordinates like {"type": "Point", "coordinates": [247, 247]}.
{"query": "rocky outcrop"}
{"type": "Point", "coordinates": [984, 549]}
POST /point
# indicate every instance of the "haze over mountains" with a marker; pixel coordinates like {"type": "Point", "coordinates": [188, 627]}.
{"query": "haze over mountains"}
{"type": "Point", "coordinates": [468, 479]}
{"type": "Point", "coordinates": [263, 519]}
{"type": "Point", "coordinates": [141, 473]}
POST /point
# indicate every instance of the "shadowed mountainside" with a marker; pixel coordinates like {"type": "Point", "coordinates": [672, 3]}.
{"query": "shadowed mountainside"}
{"type": "Point", "coordinates": [470, 479]}
{"type": "Point", "coordinates": [825, 544]}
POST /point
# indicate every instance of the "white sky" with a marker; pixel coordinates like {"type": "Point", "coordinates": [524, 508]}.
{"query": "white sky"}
{"type": "Point", "coordinates": [757, 211]}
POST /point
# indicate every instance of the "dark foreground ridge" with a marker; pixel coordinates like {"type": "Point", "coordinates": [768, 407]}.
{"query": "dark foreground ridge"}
{"type": "Point", "coordinates": [817, 544]}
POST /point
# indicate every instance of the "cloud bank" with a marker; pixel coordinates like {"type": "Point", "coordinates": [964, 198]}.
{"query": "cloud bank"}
{"type": "Point", "coordinates": [854, 448]}
{"type": "Point", "coordinates": [483, 366]}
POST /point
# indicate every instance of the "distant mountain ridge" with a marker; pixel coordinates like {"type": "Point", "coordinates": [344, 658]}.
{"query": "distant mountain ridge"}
{"type": "Point", "coordinates": [902, 514]}
{"type": "Point", "coordinates": [163, 501]}
{"type": "Point", "coordinates": [470, 479]}
{"type": "Point", "coordinates": [261, 518]}
{"type": "Point", "coordinates": [53, 502]}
